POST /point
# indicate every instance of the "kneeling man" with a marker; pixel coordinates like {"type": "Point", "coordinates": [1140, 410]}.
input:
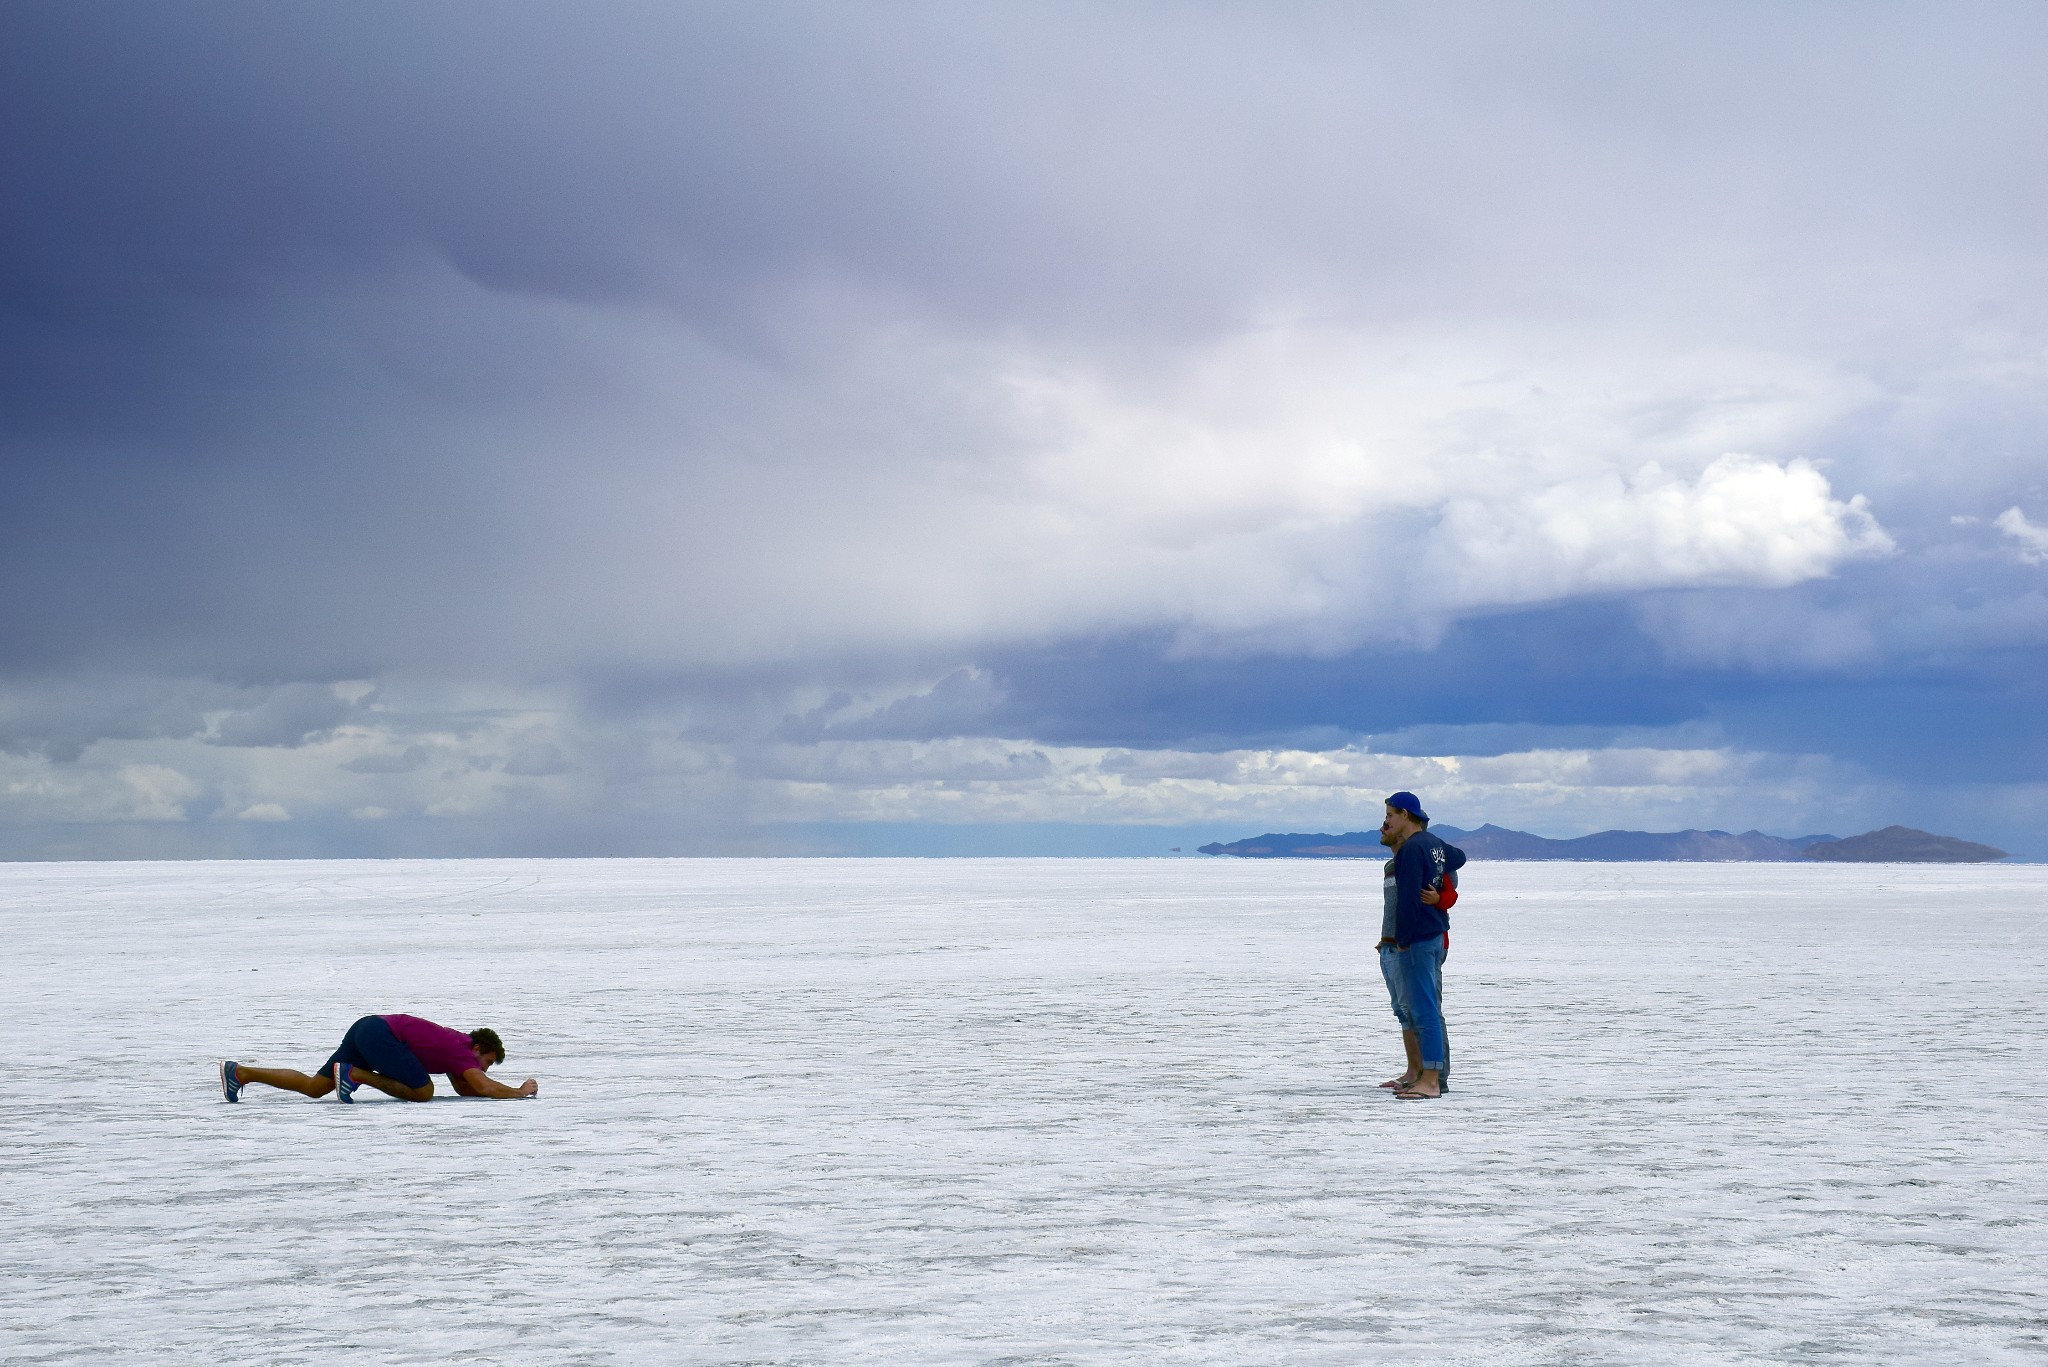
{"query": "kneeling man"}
{"type": "Point", "coordinates": [393, 1054]}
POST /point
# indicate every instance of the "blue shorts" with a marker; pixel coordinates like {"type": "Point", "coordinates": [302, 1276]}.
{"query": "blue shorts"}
{"type": "Point", "coordinates": [370, 1045]}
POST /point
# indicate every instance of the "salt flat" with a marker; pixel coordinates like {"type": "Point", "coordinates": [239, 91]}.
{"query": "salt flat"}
{"type": "Point", "coordinates": [1022, 1112]}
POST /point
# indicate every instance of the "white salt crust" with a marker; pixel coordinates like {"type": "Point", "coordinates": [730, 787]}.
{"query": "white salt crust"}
{"type": "Point", "coordinates": [1025, 1112]}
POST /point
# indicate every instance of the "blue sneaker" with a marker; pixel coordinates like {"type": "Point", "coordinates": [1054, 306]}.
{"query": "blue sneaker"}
{"type": "Point", "coordinates": [344, 1085]}
{"type": "Point", "coordinates": [230, 1085]}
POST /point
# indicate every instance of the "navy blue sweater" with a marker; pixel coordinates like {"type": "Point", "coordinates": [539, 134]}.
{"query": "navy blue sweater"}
{"type": "Point", "coordinates": [1418, 864]}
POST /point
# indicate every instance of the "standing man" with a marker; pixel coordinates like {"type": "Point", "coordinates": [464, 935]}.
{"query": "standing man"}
{"type": "Point", "coordinates": [1421, 883]}
{"type": "Point", "coordinates": [395, 1055]}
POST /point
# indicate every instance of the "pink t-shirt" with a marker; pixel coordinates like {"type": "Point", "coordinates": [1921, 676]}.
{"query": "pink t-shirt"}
{"type": "Point", "coordinates": [439, 1049]}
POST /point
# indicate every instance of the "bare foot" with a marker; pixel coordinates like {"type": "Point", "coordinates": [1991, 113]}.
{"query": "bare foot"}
{"type": "Point", "coordinates": [1419, 1091]}
{"type": "Point", "coordinates": [1401, 1083]}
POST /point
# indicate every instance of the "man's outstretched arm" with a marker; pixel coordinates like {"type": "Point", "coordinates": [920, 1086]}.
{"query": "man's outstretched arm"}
{"type": "Point", "coordinates": [476, 1082]}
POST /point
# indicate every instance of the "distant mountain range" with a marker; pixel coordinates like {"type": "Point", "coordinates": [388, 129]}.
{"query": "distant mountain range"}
{"type": "Point", "coordinates": [1892, 845]}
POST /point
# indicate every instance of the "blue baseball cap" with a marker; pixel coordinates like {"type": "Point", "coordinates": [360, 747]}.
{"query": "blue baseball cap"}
{"type": "Point", "coordinates": [1410, 804]}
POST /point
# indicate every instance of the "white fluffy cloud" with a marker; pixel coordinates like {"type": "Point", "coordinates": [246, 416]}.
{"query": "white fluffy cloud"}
{"type": "Point", "coordinates": [2032, 541]}
{"type": "Point", "coordinates": [1743, 521]}
{"type": "Point", "coordinates": [1311, 487]}
{"type": "Point", "coordinates": [37, 789]}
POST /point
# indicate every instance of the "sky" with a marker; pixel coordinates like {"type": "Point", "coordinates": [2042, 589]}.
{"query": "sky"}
{"type": "Point", "coordinates": [756, 429]}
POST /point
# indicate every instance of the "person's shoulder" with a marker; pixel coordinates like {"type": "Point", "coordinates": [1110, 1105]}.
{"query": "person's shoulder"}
{"type": "Point", "coordinates": [1426, 850]}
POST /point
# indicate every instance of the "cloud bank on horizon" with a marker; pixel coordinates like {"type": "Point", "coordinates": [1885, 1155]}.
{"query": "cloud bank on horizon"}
{"type": "Point", "coordinates": [775, 428]}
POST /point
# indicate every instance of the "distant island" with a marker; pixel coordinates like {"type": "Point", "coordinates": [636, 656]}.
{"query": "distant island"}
{"type": "Point", "coordinates": [1903, 845]}
{"type": "Point", "coordinates": [1892, 845]}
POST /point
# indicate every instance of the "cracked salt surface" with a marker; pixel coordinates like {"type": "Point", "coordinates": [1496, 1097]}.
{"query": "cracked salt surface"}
{"type": "Point", "coordinates": [1028, 1112]}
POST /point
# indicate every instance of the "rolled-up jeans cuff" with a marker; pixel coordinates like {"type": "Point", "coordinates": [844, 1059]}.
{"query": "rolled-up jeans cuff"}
{"type": "Point", "coordinates": [1421, 974]}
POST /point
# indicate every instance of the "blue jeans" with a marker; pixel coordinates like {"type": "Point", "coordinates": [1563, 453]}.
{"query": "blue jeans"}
{"type": "Point", "coordinates": [1415, 982]}
{"type": "Point", "coordinates": [1397, 992]}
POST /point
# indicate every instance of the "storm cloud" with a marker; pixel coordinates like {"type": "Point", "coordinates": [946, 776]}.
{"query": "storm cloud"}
{"type": "Point", "coordinates": [662, 428]}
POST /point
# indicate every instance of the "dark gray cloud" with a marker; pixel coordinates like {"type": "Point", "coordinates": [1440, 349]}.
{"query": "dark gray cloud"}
{"type": "Point", "coordinates": [1131, 171]}
{"type": "Point", "coordinates": [537, 759]}
{"type": "Point", "coordinates": [389, 762]}
{"type": "Point", "coordinates": [60, 716]}
{"type": "Point", "coordinates": [288, 716]}
{"type": "Point", "coordinates": [965, 702]}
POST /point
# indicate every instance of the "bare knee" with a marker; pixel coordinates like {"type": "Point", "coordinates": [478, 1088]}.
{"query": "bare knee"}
{"type": "Point", "coordinates": [425, 1093]}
